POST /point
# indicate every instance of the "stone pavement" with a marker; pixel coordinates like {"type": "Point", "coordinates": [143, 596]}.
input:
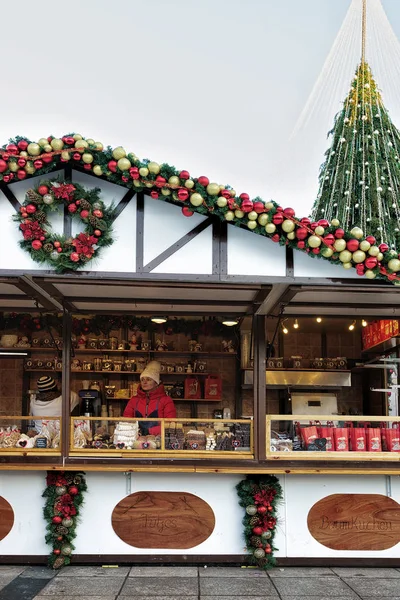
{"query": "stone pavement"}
{"type": "Point", "coordinates": [195, 583]}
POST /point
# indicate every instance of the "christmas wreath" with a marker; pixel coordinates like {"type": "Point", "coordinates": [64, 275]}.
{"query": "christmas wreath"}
{"type": "Point", "coordinates": [57, 250]}
{"type": "Point", "coordinates": [64, 495]}
{"type": "Point", "coordinates": [259, 495]}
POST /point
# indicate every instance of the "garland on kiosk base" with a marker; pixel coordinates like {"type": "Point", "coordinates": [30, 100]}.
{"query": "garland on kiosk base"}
{"type": "Point", "coordinates": [64, 496]}
{"type": "Point", "coordinates": [259, 495]}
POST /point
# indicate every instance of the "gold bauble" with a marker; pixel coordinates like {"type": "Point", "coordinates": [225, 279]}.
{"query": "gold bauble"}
{"type": "Point", "coordinates": [221, 202]}
{"type": "Point", "coordinates": [288, 226]}
{"type": "Point", "coordinates": [359, 256]}
{"type": "Point", "coordinates": [369, 274]}
{"type": "Point", "coordinates": [57, 144]}
{"type": "Point", "coordinates": [99, 146]}
{"type": "Point", "coordinates": [365, 246]}
{"type": "Point", "coordinates": [29, 168]}
{"type": "Point", "coordinates": [291, 235]}
{"type": "Point", "coordinates": [232, 193]}
{"type": "Point", "coordinates": [118, 153]}
{"type": "Point", "coordinates": [221, 187]}
{"type": "Point", "coordinates": [47, 148]}
{"type": "Point", "coordinates": [77, 136]}
{"type": "Point", "coordinates": [13, 166]}
{"type": "Point", "coordinates": [81, 145]}
{"type": "Point", "coordinates": [90, 141]}
{"type": "Point", "coordinates": [23, 154]}
{"type": "Point", "coordinates": [213, 189]}
{"type": "Point", "coordinates": [252, 224]}
{"type": "Point", "coordinates": [270, 228]}
{"type": "Point", "coordinates": [357, 233]}
{"type": "Point", "coordinates": [124, 164]}
{"type": "Point", "coordinates": [165, 192]}
{"type": "Point", "coordinates": [66, 155]}
{"type": "Point", "coordinates": [319, 230]}
{"type": "Point", "coordinates": [379, 256]}
{"type": "Point", "coordinates": [143, 172]}
{"type": "Point", "coordinates": [373, 251]}
{"type": "Point", "coordinates": [314, 241]}
{"type": "Point", "coordinates": [347, 265]}
{"type": "Point", "coordinates": [34, 149]}
{"type": "Point", "coordinates": [189, 184]}
{"type": "Point", "coordinates": [43, 142]}
{"type": "Point", "coordinates": [87, 158]}
{"type": "Point", "coordinates": [174, 181]}
{"type": "Point", "coordinates": [149, 184]}
{"type": "Point", "coordinates": [252, 215]}
{"type": "Point", "coordinates": [196, 199]}
{"type": "Point", "coordinates": [345, 256]}
{"type": "Point", "coordinates": [229, 216]}
{"type": "Point", "coordinates": [97, 170]}
{"type": "Point", "coordinates": [326, 252]}
{"type": "Point", "coordinates": [394, 264]}
{"type": "Point", "coordinates": [339, 245]}
{"type": "Point", "coordinates": [335, 222]}
{"type": "Point", "coordinates": [153, 167]}
{"type": "Point", "coordinates": [263, 219]}
{"type": "Point", "coordinates": [239, 214]}
{"type": "Point", "coordinates": [269, 205]}
{"type": "Point", "coordinates": [137, 183]}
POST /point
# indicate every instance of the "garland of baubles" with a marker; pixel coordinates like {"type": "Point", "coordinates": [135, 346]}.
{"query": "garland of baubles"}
{"type": "Point", "coordinates": [353, 249]}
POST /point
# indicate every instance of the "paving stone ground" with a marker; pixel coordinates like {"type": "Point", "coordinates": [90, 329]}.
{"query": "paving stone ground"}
{"type": "Point", "coordinates": [198, 583]}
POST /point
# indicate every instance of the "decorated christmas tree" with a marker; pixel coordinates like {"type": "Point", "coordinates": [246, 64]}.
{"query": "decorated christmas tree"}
{"type": "Point", "coordinates": [359, 183]}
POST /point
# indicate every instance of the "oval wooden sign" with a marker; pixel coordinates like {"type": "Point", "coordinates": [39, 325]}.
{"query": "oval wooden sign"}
{"type": "Point", "coordinates": [355, 522]}
{"type": "Point", "coordinates": [163, 520]}
{"type": "Point", "coordinates": [6, 518]}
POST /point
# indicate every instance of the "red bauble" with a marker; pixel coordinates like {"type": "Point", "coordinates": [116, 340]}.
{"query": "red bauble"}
{"type": "Point", "coordinates": [21, 162]}
{"type": "Point", "coordinates": [56, 551]}
{"type": "Point", "coordinates": [323, 223]}
{"type": "Point", "coordinates": [275, 238]}
{"type": "Point", "coordinates": [59, 249]}
{"type": "Point", "coordinates": [279, 209]}
{"type": "Point", "coordinates": [257, 530]}
{"type": "Point", "coordinates": [97, 232]}
{"type": "Point", "coordinates": [383, 248]}
{"type": "Point", "coordinates": [301, 245]}
{"type": "Point", "coordinates": [353, 245]}
{"type": "Point", "coordinates": [313, 225]}
{"type": "Point", "coordinates": [22, 145]}
{"type": "Point", "coordinates": [74, 256]}
{"type": "Point", "coordinates": [203, 180]}
{"type": "Point", "coordinates": [21, 174]}
{"type": "Point", "coordinates": [289, 212]}
{"type": "Point", "coordinates": [184, 175]}
{"type": "Point", "coordinates": [69, 140]}
{"type": "Point", "coordinates": [73, 490]}
{"type": "Point", "coordinates": [278, 219]}
{"type": "Point", "coordinates": [316, 250]}
{"type": "Point", "coordinates": [339, 233]}
{"type": "Point", "coordinates": [268, 550]}
{"type": "Point", "coordinates": [6, 156]}
{"type": "Point", "coordinates": [134, 173]}
{"type": "Point", "coordinates": [262, 510]}
{"type": "Point", "coordinates": [98, 213]}
{"type": "Point", "coordinates": [57, 519]}
{"type": "Point", "coordinates": [30, 209]}
{"type": "Point", "coordinates": [12, 149]}
{"type": "Point", "coordinates": [187, 212]}
{"type": "Point", "coordinates": [183, 194]}
{"type": "Point", "coordinates": [154, 194]}
{"type": "Point", "coordinates": [305, 221]}
{"type": "Point", "coordinates": [371, 262]}
{"type": "Point", "coordinates": [371, 239]}
{"type": "Point", "coordinates": [57, 244]}
{"type": "Point", "coordinates": [259, 207]}
{"type": "Point", "coordinates": [329, 239]}
{"type": "Point", "coordinates": [88, 167]}
{"type": "Point", "coordinates": [160, 181]}
{"type": "Point", "coordinates": [301, 233]}
{"type": "Point", "coordinates": [76, 156]}
{"type": "Point", "coordinates": [3, 166]}
{"type": "Point", "coordinates": [38, 164]}
{"type": "Point", "coordinates": [244, 196]}
{"type": "Point", "coordinates": [247, 205]}
{"type": "Point", "coordinates": [36, 244]}
{"type": "Point", "coordinates": [84, 214]}
{"type": "Point", "coordinates": [225, 194]}
{"type": "Point", "coordinates": [59, 539]}
{"type": "Point", "coordinates": [42, 238]}
{"type": "Point", "coordinates": [72, 208]}
{"type": "Point", "coordinates": [47, 158]}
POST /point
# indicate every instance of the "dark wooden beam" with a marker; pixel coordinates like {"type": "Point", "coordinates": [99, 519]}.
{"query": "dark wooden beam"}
{"type": "Point", "coordinates": [10, 196]}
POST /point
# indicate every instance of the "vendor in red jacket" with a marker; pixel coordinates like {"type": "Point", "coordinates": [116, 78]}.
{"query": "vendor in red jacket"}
{"type": "Point", "coordinates": [151, 401]}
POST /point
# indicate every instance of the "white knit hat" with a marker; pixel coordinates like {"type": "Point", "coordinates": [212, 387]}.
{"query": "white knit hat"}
{"type": "Point", "coordinates": [152, 370]}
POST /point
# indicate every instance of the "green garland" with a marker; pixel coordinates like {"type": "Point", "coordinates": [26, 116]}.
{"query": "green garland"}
{"type": "Point", "coordinates": [22, 158]}
{"type": "Point", "coordinates": [64, 496]}
{"type": "Point", "coordinates": [57, 250]}
{"type": "Point", "coordinates": [259, 495]}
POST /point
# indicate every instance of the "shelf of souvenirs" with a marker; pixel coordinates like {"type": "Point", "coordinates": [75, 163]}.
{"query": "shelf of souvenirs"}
{"type": "Point", "coordinates": [21, 349]}
{"type": "Point", "coordinates": [110, 372]}
{"type": "Point", "coordinates": [30, 436]}
{"type": "Point", "coordinates": [130, 438]}
{"type": "Point", "coordinates": [333, 438]}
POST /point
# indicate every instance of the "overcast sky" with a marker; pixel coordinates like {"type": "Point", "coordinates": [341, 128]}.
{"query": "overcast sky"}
{"type": "Point", "coordinates": [212, 86]}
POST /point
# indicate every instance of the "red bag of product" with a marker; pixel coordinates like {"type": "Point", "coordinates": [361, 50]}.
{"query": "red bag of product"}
{"type": "Point", "coordinates": [327, 433]}
{"type": "Point", "coordinates": [213, 388]}
{"type": "Point", "coordinates": [374, 440]}
{"type": "Point", "coordinates": [309, 434]}
{"type": "Point", "coordinates": [192, 388]}
{"type": "Point", "coordinates": [341, 436]}
{"type": "Point", "coordinates": [358, 439]}
{"type": "Point", "coordinates": [393, 440]}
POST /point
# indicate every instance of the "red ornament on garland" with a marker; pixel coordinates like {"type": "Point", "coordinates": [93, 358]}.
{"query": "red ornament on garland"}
{"type": "Point", "coordinates": [21, 174]}
{"type": "Point", "coordinates": [134, 173]}
{"type": "Point", "coordinates": [259, 207]}
{"type": "Point", "coordinates": [154, 194]}
{"type": "Point", "coordinates": [3, 166]}
{"type": "Point", "coordinates": [289, 212]}
{"type": "Point", "coordinates": [84, 214]}
{"type": "Point", "coordinates": [98, 213]}
{"type": "Point", "coordinates": [371, 239]}
{"type": "Point", "coordinates": [244, 196]}
{"type": "Point", "coordinates": [301, 245]}
{"type": "Point", "coordinates": [47, 158]}
{"type": "Point", "coordinates": [59, 539]}
{"type": "Point", "coordinates": [38, 164]}
{"type": "Point", "coordinates": [225, 194]}
{"type": "Point", "coordinates": [12, 149]}
{"type": "Point", "coordinates": [278, 219]}
{"type": "Point", "coordinates": [76, 156]}
{"type": "Point", "coordinates": [247, 205]}
{"type": "Point", "coordinates": [262, 510]}
{"type": "Point", "coordinates": [257, 530]}
{"type": "Point", "coordinates": [279, 209]}
{"type": "Point", "coordinates": [22, 145]}
{"type": "Point", "coordinates": [160, 181]}
{"type": "Point", "coordinates": [97, 232]}
{"type": "Point", "coordinates": [275, 238]}
{"type": "Point", "coordinates": [352, 245]}
{"type": "Point", "coordinates": [339, 233]}
{"type": "Point", "coordinates": [204, 181]}
{"type": "Point", "coordinates": [69, 140]}
{"type": "Point", "coordinates": [371, 262]}
{"type": "Point", "coordinates": [184, 175]}
{"type": "Point", "coordinates": [323, 223]}
{"type": "Point", "coordinates": [72, 208]}
{"type": "Point", "coordinates": [74, 256]}
{"type": "Point", "coordinates": [305, 221]}
{"type": "Point", "coordinates": [73, 490]}
{"type": "Point", "coordinates": [316, 250]}
{"type": "Point", "coordinates": [21, 162]}
{"type": "Point", "coordinates": [383, 248]}
{"type": "Point", "coordinates": [56, 551]}
{"type": "Point", "coordinates": [313, 225]}
{"type": "Point", "coordinates": [43, 189]}
{"type": "Point", "coordinates": [329, 239]}
{"type": "Point", "coordinates": [186, 211]}
{"type": "Point", "coordinates": [36, 244]}
{"type": "Point", "coordinates": [88, 167]}
{"type": "Point", "coordinates": [57, 520]}
{"type": "Point", "coordinates": [30, 209]}
{"type": "Point", "coordinates": [183, 194]}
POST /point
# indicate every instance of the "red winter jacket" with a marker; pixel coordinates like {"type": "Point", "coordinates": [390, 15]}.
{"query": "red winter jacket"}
{"type": "Point", "coordinates": [154, 404]}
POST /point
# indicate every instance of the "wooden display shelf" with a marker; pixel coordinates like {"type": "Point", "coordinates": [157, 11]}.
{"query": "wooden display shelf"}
{"type": "Point", "coordinates": [108, 351]}
{"type": "Point", "coordinates": [87, 372]}
{"type": "Point", "coordinates": [174, 399]}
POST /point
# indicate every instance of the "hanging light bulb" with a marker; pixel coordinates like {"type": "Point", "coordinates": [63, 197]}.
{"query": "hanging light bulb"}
{"type": "Point", "coordinates": [296, 324]}
{"type": "Point", "coordinates": [364, 323]}
{"type": "Point", "coordinates": [352, 326]}
{"type": "Point", "coordinates": [158, 320]}
{"type": "Point", "coordinates": [319, 319]}
{"type": "Point", "coordinates": [230, 322]}
{"type": "Point", "coordinates": [284, 328]}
